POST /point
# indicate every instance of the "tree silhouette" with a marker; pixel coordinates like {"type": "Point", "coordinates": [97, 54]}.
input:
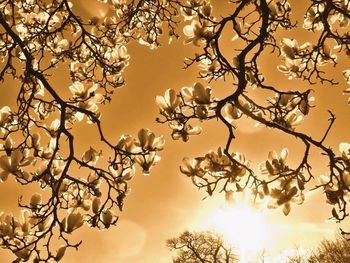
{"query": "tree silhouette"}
{"type": "Point", "coordinates": [335, 251]}
{"type": "Point", "coordinates": [37, 135]}
{"type": "Point", "coordinates": [201, 247]}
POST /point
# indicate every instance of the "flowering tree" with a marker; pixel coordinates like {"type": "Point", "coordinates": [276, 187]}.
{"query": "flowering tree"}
{"type": "Point", "coordinates": [201, 247]}
{"type": "Point", "coordinates": [252, 29]}
{"type": "Point", "coordinates": [37, 143]}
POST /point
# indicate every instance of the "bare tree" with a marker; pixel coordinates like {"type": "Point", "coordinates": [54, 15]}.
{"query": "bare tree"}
{"type": "Point", "coordinates": [201, 247]}
{"type": "Point", "coordinates": [329, 251]}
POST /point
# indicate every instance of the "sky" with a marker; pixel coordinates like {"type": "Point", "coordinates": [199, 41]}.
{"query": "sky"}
{"type": "Point", "coordinates": [166, 203]}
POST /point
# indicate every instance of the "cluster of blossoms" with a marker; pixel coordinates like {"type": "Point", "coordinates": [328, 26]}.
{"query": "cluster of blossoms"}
{"type": "Point", "coordinates": [301, 61]}
{"type": "Point", "coordinates": [331, 19]}
{"type": "Point", "coordinates": [217, 170]}
{"type": "Point", "coordinates": [194, 102]}
{"type": "Point", "coordinates": [288, 109]}
{"type": "Point", "coordinates": [337, 184]}
{"type": "Point", "coordinates": [200, 33]}
{"type": "Point", "coordinates": [144, 21]}
{"type": "Point", "coordinates": [316, 16]}
{"type": "Point", "coordinates": [283, 184]}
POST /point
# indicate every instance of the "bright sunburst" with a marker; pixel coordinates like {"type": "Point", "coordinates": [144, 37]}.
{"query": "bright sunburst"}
{"type": "Point", "coordinates": [242, 226]}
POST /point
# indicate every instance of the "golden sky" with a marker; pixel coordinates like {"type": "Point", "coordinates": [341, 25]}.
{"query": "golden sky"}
{"type": "Point", "coordinates": [165, 204]}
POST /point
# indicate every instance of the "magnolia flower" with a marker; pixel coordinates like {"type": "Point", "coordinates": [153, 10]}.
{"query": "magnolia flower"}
{"type": "Point", "coordinates": [169, 103]}
{"type": "Point", "coordinates": [276, 163]}
{"type": "Point", "coordinates": [292, 53]}
{"type": "Point", "coordinates": [201, 94]}
{"type": "Point", "coordinates": [343, 20]}
{"type": "Point", "coordinates": [13, 163]}
{"type": "Point", "coordinates": [289, 48]}
{"type": "Point", "coordinates": [292, 119]}
{"type": "Point", "coordinates": [147, 161]}
{"type": "Point", "coordinates": [23, 254]}
{"type": "Point", "coordinates": [150, 41]}
{"type": "Point", "coordinates": [54, 127]}
{"type": "Point", "coordinates": [344, 149]}
{"type": "Point", "coordinates": [278, 8]}
{"type": "Point", "coordinates": [26, 221]}
{"type": "Point", "coordinates": [196, 32]}
{"type": "Point", "coordinates": [96, 205]}
{"type": "Point", "coordinates": [72, 222]}
{"type": "Point", "coordinates": [35, 200]}
{"type": "Point", "coordinates": [346, 74]}
{"type": "Point", "coordinates": [206, 10]}
{"type": "Point", "coordinates": [239, 170]}
{"type": "Point", "coordinates": [187, 94]}
{"type": "Point", "coordinates": [91, 156]}
{"type": "Point", "coordinates": [90, 105]}
{"type": "Point", "coordinates": [8, 224]}
{"type": "Point", "coordinates": [125, 172]}
{"type": "Point", "coordinates": [324, 179]}
{"type": "Point", "coordinates": [79, 70]}
{"type": "Point", "coordinates": [22, 30]}
{"type": "Point", "coordinates": [284, 197]}
{"type": "Point", "coordinates": [108, 218]}
{"type": "Point", "coordinates": [217, 161]}
{"type": "Point", "coordinates": [191, 167]}
{"type": "Point", "coordinates": [5, 113]}
{"type": "Point", "coordinates": [59, 45]}
{"type": "Point", "coordinates": [42, 226]}
{"type": "Point", "coordinates": [287, 101]}
{"type": "Point", "coordinates": [148, 140]}
{"type": "Point", "coordinates": [57, 167]}
{"type": "Point", "coordinates": [60, 253]}
{"type": "Point", "coordinates": [128, 173]}
{"type": "Point", "coordinates": [8, 145]}
{"type": "Point", "coordinates": [291, 68]}
{"type": "Point", "coordinates": [117, 54]}
{"type": "Point", "coordinates": [232, 112]}
{"type": "Point", "coordinates": [40, 89]}
{"type": "Point", "coordinates": [184, 131]}
{"type": "Point", "coordinates": [313, 18]}
{"type": "Point", "coordinates": [36, 140]}
{"type": "Point", "coordinates": [198, 93]}
{"type": "Point", "coordinates": [326, 56]}
{"type": "Point", "coordinates": [80, 92]}
{"type": "Point", "coordinates": [82, 200]}
{"type": "Point", "coordinates": [127, 143]}
{"type": "Point", "coordinates": [286, 208]}
{"type": "Point", "coordinates": [42, 110]}
{"type": "Point", "coordinates": [208, 67]}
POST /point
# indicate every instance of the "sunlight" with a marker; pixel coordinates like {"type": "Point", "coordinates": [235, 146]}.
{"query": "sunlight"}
{"type": "Point", "coordinates": [241, 225]}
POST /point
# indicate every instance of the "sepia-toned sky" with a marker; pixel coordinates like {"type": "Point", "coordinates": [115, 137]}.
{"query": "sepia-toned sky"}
{"type": "Point", "coordinates": [166, 203]}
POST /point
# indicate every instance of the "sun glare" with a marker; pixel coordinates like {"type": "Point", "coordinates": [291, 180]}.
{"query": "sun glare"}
{"type": "Point", "coordinates": [242, 226]}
